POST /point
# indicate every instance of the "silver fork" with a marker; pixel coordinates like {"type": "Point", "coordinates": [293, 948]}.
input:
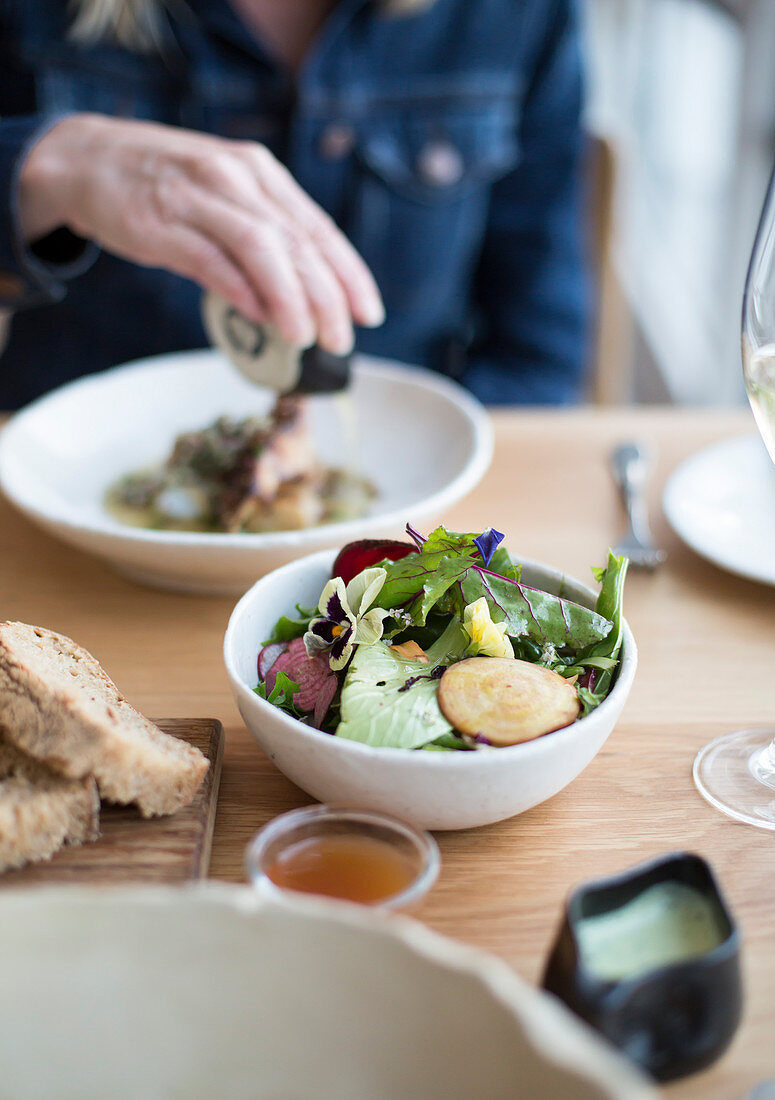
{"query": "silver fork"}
{"type": "Point", "coordinates": [630, 467]}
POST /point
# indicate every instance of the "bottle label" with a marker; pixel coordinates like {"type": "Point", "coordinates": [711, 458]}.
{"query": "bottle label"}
{"type": "Point", "coordinates": [256, 350]}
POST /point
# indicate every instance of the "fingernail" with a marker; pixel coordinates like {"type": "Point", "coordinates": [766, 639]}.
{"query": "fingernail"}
{"type": "Point", "coordinates": [373, 313]}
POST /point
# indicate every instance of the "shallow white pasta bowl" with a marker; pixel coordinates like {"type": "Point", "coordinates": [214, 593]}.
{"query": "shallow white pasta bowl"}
{"type": "Point", "coordinates": [434, 790]}
{"type": "Point", "coordinates": [420, 438]}
{"type": "Point", "coordinates": [213, 992]}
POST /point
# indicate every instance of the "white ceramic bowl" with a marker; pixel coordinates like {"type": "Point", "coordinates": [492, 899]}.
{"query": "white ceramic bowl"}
{"type": "Point", "coordinates": [421, 439]}
{"type": "Point", "coordinates": [434, 790]}
{"type": "Point", "coordinates": [211, 992]}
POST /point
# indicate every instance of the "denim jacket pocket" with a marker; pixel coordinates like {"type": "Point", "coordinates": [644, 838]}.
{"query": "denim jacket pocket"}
{"type": "Point", "coordinates": [421, 194]}
{"type": "Point", "coordinates": [430, 152]}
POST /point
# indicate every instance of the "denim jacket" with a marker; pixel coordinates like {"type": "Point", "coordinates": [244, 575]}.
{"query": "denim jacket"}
{"type": "Point", "coordinates": [445, 142]}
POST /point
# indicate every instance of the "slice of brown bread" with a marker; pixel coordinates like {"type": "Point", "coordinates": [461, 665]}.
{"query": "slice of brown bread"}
{"type": "Point", "coordinates": [60, 707]}
{"type": "Point", "coordinates": [41, 811]}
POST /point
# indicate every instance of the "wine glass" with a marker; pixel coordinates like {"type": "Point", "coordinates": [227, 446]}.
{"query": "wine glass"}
{"type": "Point", "coordinates": [736, 772]}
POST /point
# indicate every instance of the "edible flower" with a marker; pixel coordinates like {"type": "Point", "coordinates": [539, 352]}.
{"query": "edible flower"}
{"type": "Point", "coordinates": [488, 542]}
{"type": "Point", "coordinates": [487, 638]}
{"type": "Point", "coordinates": [345, 619]}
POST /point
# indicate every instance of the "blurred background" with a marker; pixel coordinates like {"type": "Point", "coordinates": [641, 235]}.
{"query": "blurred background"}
{"type": "Point", "coordinates": [681, 106]}
{"type": "Point", "coordinates": [681, 112]}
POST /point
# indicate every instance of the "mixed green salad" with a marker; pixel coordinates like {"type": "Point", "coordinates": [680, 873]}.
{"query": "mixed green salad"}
{"type": "Point", "coordinates": [437, 644]}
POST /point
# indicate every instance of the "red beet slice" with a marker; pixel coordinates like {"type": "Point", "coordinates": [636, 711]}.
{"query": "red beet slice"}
{"type": "Point", "coordinates": [312, 674]}
{"type": "Point", "coordinates": [357, 556]}
{"type": "Point", "coordinates": [267, 657]}
{"type": "Point", "coordinates": [323, 701]}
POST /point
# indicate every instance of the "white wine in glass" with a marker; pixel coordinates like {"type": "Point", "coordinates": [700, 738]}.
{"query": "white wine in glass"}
{"type": "Point", "coordinates": [736, 772]}
{"type": "Point", "coordinates": [759, 371]}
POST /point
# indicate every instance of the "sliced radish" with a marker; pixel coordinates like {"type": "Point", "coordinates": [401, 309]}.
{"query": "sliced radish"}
{"type": "Point", "coordinates": [312, 674]}
{"type": "Point", "coordinates": [357, 556]}
{"type": "Point", "coordinates": [324, 701]}
{"type": "Point", "coordinates": [267, 657]}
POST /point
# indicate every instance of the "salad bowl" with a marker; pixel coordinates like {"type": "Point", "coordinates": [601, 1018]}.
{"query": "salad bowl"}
{"type": "Point", "coordinates": [433, 790]}
{"type": "Point", "coordinates": [59, 456]}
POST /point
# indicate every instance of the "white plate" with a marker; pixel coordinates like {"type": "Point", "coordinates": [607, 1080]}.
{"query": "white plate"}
{"type": "Point", "coordinates": [721, 502]}
{"type": "Point", "coordinates": [212, 992]}
{"type": "Point", "coordinates": [421, 439]}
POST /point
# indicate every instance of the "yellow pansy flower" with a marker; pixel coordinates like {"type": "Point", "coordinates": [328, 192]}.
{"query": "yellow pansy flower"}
{"type": "Point", "coordinates": [488, 639]}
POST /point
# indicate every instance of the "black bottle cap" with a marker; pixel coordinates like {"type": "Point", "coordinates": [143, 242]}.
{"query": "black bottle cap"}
{"type": "Point", "coordinates": [323, 372]}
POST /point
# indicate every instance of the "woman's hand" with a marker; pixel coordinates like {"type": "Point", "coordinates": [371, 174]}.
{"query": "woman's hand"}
{"type": "Point", "coordinates": [224, 213]}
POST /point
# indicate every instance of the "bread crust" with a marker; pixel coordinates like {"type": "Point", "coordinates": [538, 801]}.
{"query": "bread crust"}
{"type": "Point", "coordinates": [60, 707]}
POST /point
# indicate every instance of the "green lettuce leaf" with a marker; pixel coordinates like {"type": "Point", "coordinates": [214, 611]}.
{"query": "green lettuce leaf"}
{"type": "Point", "coordinates": [448, 573]}
{"type": "Point", "coordinates": [533, 614]}
{"type": "Point", "coordinates": [418, 582]}
{"type": "Point", "coordinates": [422, 579]}
{"type": "Point", "coordinates": [603, 656]}
{"type": "Point", "coordinates": [286, 629]}
{"type": "Point", "coordinates": [281, 694]}
{"type": "Point", "coordinates": [389, 701]}
{"type": "Point", "coordinates": [454, 543]}
{"type": "Point", "coordinates": [449, 742]}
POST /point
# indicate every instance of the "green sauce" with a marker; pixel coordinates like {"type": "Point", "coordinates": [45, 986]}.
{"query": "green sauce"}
{"type": "Point", "coordinates": [668, 923]}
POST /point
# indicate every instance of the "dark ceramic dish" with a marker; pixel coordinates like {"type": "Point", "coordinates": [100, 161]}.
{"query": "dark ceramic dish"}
{"type": "Point", "coordinates": [672, 1019]}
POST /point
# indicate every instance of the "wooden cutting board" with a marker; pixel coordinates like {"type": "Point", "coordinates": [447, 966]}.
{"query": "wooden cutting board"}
{"type": "Point", "coordinates": [133, 849]}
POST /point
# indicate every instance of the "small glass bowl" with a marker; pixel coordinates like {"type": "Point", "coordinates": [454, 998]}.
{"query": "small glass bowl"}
{"type": "Point", "coordinates": [417, 847]}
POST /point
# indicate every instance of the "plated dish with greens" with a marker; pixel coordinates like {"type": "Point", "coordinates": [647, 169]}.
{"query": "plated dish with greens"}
{"type": "Point", "coordinates": [99, 429]}
{"type": "Point", "coordinates": [242, 476]}
{"type": "Point", "coordinates": [437, 644]}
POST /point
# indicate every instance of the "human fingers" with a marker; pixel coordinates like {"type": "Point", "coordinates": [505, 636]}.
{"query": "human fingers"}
{"type": "Point", "coordinates": [259, 248]}
{"type": "Point", "coordinates": [325, 295]}
{"type": "Point", "coordinates": [232, 181]}
{"type": "Point", "coordinates": [196, 256]}
{"type": "Point", "coordinates": [364, 299]}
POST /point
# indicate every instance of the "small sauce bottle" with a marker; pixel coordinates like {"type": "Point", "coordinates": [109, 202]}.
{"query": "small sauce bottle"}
{"type": "Point", "coordinates": [260, 354]}
{"type": "Point", "coordinates": [650, 958]}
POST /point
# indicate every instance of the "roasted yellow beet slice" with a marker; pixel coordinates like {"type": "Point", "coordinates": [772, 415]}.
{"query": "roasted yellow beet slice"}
{"type": "Point", "coordinates": [411, 652]}
{"type": "Point", "coordinates": [506, 701]}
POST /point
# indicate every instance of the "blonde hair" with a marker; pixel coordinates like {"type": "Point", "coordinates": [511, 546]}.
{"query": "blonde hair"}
{"type": "Point", "coordinates": [132, 23]}
{"type": "Point", "coordinates": [137, 23]}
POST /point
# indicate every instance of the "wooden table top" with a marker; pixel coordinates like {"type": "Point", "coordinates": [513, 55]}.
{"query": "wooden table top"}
{"type": "Point", "coordinates": [707, 653]}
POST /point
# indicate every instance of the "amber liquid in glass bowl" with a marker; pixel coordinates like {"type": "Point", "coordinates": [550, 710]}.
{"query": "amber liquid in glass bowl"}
{"type": "Point", "coordinates": [356, 868]}
{"type": "Point", "coordinates": [351, 855]}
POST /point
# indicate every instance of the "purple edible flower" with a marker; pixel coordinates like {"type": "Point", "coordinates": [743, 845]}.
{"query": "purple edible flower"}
{"type": "Point", "coordinates": [345, 619]}
{"type": "Point", "coordinates": [333, 634]}
{"type": "Point", "coordinates": [488, 542]}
